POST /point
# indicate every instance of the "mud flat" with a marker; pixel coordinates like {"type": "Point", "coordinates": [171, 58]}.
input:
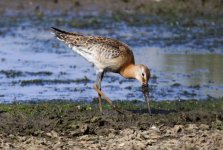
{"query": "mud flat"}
{"type": "Point", "coordinates": [187, 27]}
{"type": "Point", "coordinates": [77, 125]}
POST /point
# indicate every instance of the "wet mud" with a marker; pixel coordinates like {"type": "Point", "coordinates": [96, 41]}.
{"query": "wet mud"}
{"type": "Point", "coordinates": [69, 125]}
{"type": "Point", "coordinates": [47, 88]}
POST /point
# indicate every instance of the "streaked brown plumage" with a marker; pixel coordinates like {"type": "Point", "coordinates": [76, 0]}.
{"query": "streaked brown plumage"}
{"type": "Point", "coordinates": [107, 55]}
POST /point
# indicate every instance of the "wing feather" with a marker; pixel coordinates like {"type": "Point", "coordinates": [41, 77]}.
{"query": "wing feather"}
{"type": "Point", "coordinates": [106, 48]}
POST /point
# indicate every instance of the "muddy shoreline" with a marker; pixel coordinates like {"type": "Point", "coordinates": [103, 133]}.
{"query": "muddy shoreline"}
{"type": "Point", "coordinates": [178, 26]}
{"type": "Point", "coordinates": [78, 125]}
{"type": "Point", "coordinates": [146, 7]}
{"type": "Point", "coordinates": [143, 12]}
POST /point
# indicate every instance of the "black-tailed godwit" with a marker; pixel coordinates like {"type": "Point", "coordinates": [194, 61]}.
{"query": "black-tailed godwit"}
{"type": "Point", "coordinates": [107, 55]}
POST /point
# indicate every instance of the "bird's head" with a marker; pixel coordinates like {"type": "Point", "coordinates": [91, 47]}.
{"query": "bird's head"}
{"type": "Point", "coordinates": [142, 74]}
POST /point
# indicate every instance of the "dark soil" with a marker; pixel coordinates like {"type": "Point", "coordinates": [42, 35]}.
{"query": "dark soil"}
{"type": "Point", "coordinates": [77, 125]}
{"type": "Point", "coordinates": [80, 125]}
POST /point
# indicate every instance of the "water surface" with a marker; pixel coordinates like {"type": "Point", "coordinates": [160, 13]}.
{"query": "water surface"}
{"type": "Point", "coordinates": [36, 66]}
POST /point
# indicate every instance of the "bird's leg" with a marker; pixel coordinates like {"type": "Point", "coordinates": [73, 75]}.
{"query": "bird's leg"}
{"type": "Point", "coordinates": [103, 95]}
{"type": "Point", "coordinates": [100, 104]}
{"type": "Point", "coordinates": [98, 85]}
{"type": "Point", "coordinates": [106, 98]}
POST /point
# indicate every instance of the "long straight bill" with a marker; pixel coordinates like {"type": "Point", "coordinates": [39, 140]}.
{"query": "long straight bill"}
{"type": "Point", "coordinates": [145, 91]}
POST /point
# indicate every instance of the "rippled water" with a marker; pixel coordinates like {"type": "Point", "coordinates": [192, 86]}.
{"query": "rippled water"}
{"type": "Point", "coordinates": [36, 66]}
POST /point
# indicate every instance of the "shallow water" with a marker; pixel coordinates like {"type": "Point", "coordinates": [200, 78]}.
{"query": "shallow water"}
{"type": "Point", "coordinates": [36, 66]}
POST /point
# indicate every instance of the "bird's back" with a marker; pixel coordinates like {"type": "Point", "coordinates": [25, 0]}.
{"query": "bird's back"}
{"type": "Point", "coordinates": [105, 53]}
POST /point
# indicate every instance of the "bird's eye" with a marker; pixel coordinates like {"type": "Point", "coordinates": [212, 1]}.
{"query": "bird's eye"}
{"type": "Point", "coordinates": [143, 74]}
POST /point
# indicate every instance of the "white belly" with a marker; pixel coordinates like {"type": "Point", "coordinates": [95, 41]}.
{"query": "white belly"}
{"type": "Point", "coordinates": [81, 52]}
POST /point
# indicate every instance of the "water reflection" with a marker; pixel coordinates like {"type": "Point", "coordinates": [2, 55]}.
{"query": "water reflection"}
{"type": "Point", "coordinates": [201, 71]}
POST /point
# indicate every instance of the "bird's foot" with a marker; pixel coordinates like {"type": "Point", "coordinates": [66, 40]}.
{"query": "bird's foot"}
{"type": "Point", "coordinates": [107, 99]}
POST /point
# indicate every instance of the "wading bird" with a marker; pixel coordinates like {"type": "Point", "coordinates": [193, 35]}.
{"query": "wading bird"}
{"type": "Point", "coordinates": [107, 55]}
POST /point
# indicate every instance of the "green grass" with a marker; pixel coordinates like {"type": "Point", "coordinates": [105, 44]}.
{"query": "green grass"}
{"type": "Point", "coordinates": [183, 105]}
{"type": "Point", "coordinates": [43, 108]}
{"type": "Point", "coordinates": [62, 107]}
{"type": "Point", "coordinates": [186, 105]}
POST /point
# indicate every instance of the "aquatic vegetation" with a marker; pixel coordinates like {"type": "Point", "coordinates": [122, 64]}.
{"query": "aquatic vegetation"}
{"type": "Point", "coordinates": [15, 73]}
{"type": "Point", "coordinates": [53, 81]}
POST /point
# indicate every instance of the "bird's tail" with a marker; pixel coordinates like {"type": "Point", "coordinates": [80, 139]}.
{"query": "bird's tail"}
{"type": "Point", "coordinates": [58, 31]}
{"type": "Point", "coordinates": [63, 35]}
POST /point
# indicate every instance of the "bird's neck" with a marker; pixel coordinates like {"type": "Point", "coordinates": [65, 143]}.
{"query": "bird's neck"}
{"type": "Point", "coordinates": [129, 71]}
